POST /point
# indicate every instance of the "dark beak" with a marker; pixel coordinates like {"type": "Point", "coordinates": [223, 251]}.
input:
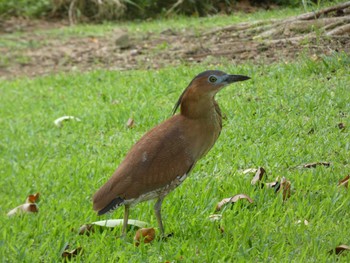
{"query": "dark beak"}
{"type": "Point", "coordinates": [234, 78]}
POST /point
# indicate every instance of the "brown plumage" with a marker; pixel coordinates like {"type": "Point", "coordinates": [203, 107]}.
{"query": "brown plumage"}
{"type": "Point", "coordinates": [165, 155]}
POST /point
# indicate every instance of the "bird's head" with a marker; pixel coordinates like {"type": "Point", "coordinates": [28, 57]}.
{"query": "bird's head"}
{"type": "Point", "coordinates": [208, 83]}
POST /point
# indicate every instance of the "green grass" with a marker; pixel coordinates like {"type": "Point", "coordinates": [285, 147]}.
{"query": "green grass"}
{"type": "Point", "coordinates": [20, 40]}
{"type": "Point", "coordinates": [267, 124]}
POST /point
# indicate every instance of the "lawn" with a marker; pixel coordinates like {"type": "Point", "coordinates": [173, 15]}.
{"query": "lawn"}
{"type": "Point", "coordinates": [287, 115]}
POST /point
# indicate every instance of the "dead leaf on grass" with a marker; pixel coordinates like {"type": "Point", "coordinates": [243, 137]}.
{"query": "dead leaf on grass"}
{"type": "Point", "coordinates": [110, 223]}
{"type": "Point", "coordinates": [258, 175]}
{"type": "Point", "coordinates": [275, 185]}
{"type": "Point", "coordinates": [59, 122]}
{"type": "Point", "coordinates": [86, 229]}
{"type": "Point", "coordinates": [145, 234]}
{"type": "Point", "coordinates": [233, 199]}
{"type": "Point", "coordinates": [68, 254]}
{"type": "Point", "coordinates": [313, 165]}
{"type": "Point", "coordinates": [215, 217]}
{"type": "Point", "coordinates": [119, 222]}
{"type": "Point", "coordinates": [25, 208]}
{"type": "Point", "coordinates": [285, 186]}
{"type": "Point", "coordinates": [344, 182]}
{"type": "Point", "coordinates": [250, 170]}
{"type": "Point", "coordinates": [340, 249]}
{"type": "Point", "coordinates": [130, 123]}
{"type": "Point", "coordinates": [31, 199]}
{"type": "Point", "coordinates": [28, 207]}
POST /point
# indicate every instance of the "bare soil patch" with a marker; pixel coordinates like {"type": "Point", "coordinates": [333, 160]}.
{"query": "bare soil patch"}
{"type": "Point", "coordinates": [313, 34]}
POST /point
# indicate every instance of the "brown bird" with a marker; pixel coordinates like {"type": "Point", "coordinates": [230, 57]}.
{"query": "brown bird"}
{"type": "Point", "coordinates": [163, 158]}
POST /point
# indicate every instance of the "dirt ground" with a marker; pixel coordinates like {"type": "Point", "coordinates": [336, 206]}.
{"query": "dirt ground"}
{"type": "Point", "coordinates": [119, 50]}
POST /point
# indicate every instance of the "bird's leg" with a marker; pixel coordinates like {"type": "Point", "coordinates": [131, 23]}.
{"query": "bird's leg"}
{"type": "Point", "coordinates": [157, 211]}
{"type": "Point", "coordinates": [125, 221]}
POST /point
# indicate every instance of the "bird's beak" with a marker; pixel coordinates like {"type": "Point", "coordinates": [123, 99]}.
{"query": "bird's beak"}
{"type": "Point", "coordinates": [234, 78]}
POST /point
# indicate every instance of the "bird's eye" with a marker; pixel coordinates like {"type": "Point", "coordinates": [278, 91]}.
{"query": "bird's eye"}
{"type": "Point", "coordinates": [212, 79]}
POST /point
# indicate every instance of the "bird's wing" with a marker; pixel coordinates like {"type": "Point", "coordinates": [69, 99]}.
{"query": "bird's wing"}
{"type": "Point", "coordinates": [158, 158]}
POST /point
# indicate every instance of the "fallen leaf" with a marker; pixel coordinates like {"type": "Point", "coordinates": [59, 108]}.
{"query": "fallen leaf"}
{"type": "Point", "coordinates": [31, 199]}
{"type": "Point", "coordinates": [250, 170]}
{"type": "Point", "coordinates": [344, 181]}
{"type": "Point", "coordinates": [285, 186]}
{"type": "Point", "coordinates": [145, 234]}
{"type": "Point", "coordinates": [86, 229]}
{"type": "Point", "coordinates": [232, 200]}
{"type": "Point", "coordinates": [313, 165]}
{"type": "Point", "coordinates": [59, 122]}
{"type": "Point", "coordinates": [276, 184]}
{"type": "Point", "coordinates": [119, 222]}
{"type": "Point", "coordinates": [215, 217]}
{"type": "Point", "coordinates": [25, 208]}
{"type": "Point", "coordinates": [258, 175]}
{"type": "Point", "coordinates": [130, 123]}
{"type": "Point", "coordinates": [71, 253]}
{"type": "Point", "coordinates": [340, 249]}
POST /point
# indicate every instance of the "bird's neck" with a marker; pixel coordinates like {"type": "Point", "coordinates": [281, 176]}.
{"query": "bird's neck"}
{"type": "Point", "coordinates": [201, 107]}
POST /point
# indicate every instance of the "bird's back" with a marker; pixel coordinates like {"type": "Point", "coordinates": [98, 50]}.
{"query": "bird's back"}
{"type": "Point", "coordinates": [165, 153]}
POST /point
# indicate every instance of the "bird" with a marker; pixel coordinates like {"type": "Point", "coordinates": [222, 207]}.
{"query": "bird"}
{"type": "Point", "coordinates": [164, 156]}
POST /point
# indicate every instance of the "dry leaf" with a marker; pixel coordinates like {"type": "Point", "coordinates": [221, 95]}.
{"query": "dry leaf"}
{"type": "Point", "coordinates": [258, 175]}
{"type": "Point", "coordinates": [285, 186]}
{"type": "Point", "coordinates": [340, 249]}
{"type": "Point", "coordinates": [86, 229]}
{"type": "Point", "coordinates": [344, 181]}
{"type": "Point", "coordinates": [232, 200]}
{"type": "Point", "coordinates": [276, 184]}
{"type": "Point", "coordinates": [31, 199]}
{"type": "Point", "coordinates": [119, 222]}
{"type": "Point", "coordinates": [215, 217]}
{"type": "Point", "coordinates": [130, 123]}
{"type": "Point", "coordinates": [71, 253]}
{"type": "Point", "coordinates": [250, 170]}
{"type": "Point", "coordinates": [145, 234]}
{"type": "Point", "coordinates": [25, 208]}
{"type": "Point", "coordinates": [313, 165]}
{"type": "Point", "coordinates": [58, 122]}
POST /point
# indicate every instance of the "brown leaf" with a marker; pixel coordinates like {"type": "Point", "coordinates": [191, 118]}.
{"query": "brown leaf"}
{"type": "Point", "coordinates": [344, 181]}
{"type": "Point", "coordinates": [285, 186]}
{"type": "Point", "coordinates": [340, 249]}
{"type": "Point", "coordinates": [71, 253]}
{"type": "Point", "coordinates": [233, 199]}
{"type": "Point", "coordinates": [130, 123]}
{"type": "Point", "coordinates": [25, 208]}
{"type": "Point", "coordinates": [313, 165]}
{"type": "Point", "coordinates": [258, 175]}
{"type": "Point", "coordinates": [276, 184]}
{"type": "Point", "coordinates": [31, 199]}
{"type": "Point", "coordinates": [145, 234]}
{"type": "Point", "coordinates": [86, 229]}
